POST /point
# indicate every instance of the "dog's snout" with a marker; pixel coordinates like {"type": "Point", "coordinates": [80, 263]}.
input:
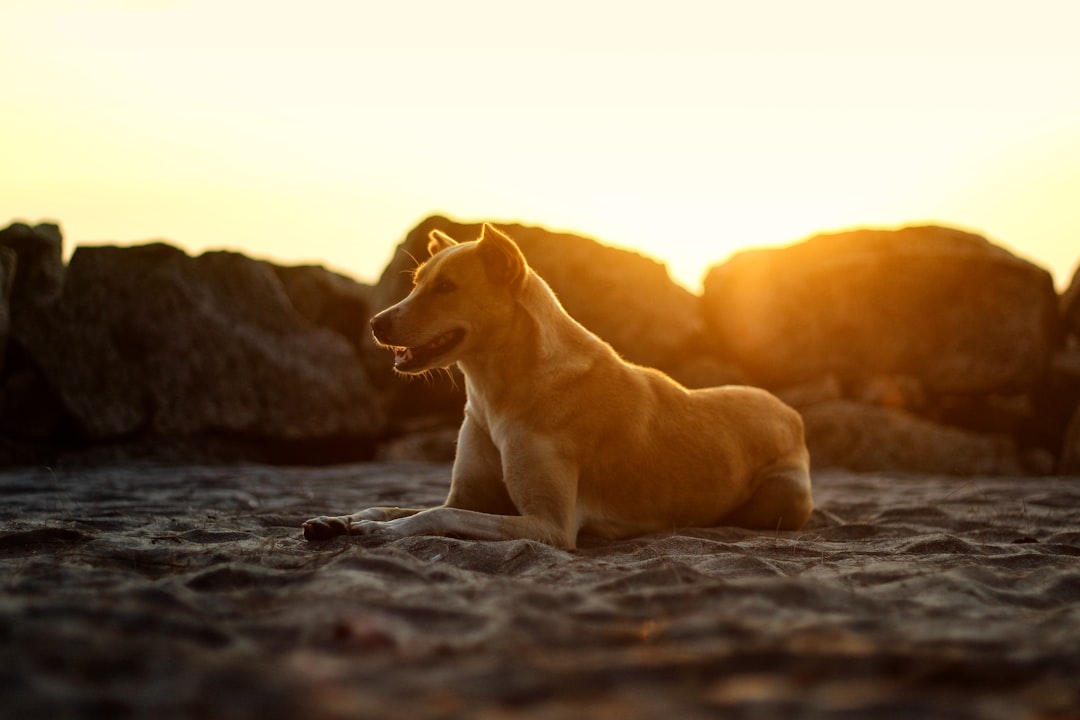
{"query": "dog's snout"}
{"type": "Point", "coordinates": [379, 324]}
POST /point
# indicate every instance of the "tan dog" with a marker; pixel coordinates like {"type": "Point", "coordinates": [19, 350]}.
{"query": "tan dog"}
{"type": "Point", "coordinates": [561, 435]}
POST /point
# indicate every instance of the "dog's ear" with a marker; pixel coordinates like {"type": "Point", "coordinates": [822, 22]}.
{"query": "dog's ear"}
{"type": "Point", "coordinates": [439, 241]}
{"type": "Point", "coordinates": [502, 257]}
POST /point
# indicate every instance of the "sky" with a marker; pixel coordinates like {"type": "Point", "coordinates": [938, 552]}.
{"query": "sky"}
{"type": "Point", "coordinates": [322, 131]}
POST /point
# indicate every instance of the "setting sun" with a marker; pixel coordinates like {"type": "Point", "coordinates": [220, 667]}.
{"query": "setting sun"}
{"type": "Point", "coordinates": [323, 132]}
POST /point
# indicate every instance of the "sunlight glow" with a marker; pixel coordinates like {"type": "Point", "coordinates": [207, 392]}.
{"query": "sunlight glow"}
{"type": "Point", "coordinates": [323, 132]}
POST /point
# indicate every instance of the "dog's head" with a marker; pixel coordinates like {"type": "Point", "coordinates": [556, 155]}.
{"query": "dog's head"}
{"type": "Point", "coordinates": [459, 296]}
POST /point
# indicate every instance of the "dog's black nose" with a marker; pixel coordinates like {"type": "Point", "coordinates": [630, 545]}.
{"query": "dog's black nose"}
{"type": "Point", "coordinates": [378, 324]}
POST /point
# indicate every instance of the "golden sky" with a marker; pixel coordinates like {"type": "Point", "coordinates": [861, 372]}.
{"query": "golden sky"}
{"type": "Point", "coordinates": [323, 130]}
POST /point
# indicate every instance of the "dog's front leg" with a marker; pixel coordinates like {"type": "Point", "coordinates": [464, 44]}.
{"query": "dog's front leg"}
{"type": "Point", "coordinates": [474, 525]}
{"type": "Point", "coordinates": [543, 488]}
{"type": "Point", "coordinates": [326, 527]}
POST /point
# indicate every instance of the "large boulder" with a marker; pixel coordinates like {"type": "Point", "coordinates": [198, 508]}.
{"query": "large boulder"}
{"type": "Point", "coordinates": [31, 271]}
{"type": "Point", "coordinates": [1065, 377]}
{"type": "Point", "coordinates": [31, 275]}
{"type": "Point", "coordinates": [846, 434]}
{"type": "Point", "coordinates": [958, 313]}
{"type": "Point", "coordinates": [330, 300]}
{"type": "Point", "coordinates": [8, 258]}
{"type": "Point", "coordinates": [1070, 305]}
{"type": "Point", "coordinates": [149, 341]}
{"type": "Point", "coordinates": [1070, 452]}
{"type": "Point", "coordinates": [40, 252]}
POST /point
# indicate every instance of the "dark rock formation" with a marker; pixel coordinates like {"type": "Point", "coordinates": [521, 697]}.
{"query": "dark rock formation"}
{"type": "Point", "coordinates": [1070, 452]}
{"type": "Point", "coordinates": [921, 350]}
{"type": "Point", "coordinates": [439, 445]}
{"type": "Point", "coordinates": [40, 261]}
{"type": "Point", "coordinates": [1059, 398]}
{"type": "Point", "coordinates": [7, 279]}
{"type": "Point", "coordinates": [1070, 305]}
{"type": "Point", "coordinates": [865, 438]}
{"type": "Point", "coordinates": [147, 340]}
{"type": "Point", "coordinates": [31, 273]}
{"type": "Point", "coordinates": [947, 307]}
{"type": "Point", "coordinates": [329, 300]}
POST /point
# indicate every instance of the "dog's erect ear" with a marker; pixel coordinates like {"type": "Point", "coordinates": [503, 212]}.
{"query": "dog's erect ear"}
{"type": "Point", "coordinates": [502, 257]}
{"type": "Point", "coordinates": [439, 241]}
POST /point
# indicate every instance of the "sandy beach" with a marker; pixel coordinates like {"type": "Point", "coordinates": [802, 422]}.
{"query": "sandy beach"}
{"type": "Point", "coordinates": [144, 590]}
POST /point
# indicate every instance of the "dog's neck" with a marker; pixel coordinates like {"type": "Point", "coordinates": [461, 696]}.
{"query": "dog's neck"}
{"type": "Point", "coordinates": [543, 342]}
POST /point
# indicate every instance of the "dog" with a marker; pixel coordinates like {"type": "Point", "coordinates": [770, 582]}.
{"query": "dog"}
{"type": "Point", "coordinates": [562, 436]}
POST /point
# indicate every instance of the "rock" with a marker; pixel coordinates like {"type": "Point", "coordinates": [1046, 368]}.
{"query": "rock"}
{"type": "Point", "coordinates": [863, 438]}
{"type": "Point", "coordinates": [1007, 414]}
{"type": "Point", "coordinates": [1059, 407]}
{"type": "Point", "coordinates": [29, 410]}
{"type": "Point", "coordinates": [40, 251]}
{"type": "Point", "coordinates": [901, 392]}
{"type": "Point", "coordinates": [943, 306]}
{"type": "Point", "coordinates": [7, 279]}
{"type": "Point", "coordinates": [429, 446]}
{"type": "Point", "coordinates": [147, 340]}
{"type": "Point", "coordinates": [1070, 305]}
{"type": "Point", "coordinates": [1070, 453]}
{"type": "Point", "coordinates": [1056, 399]}
{"type": "Point", "coordinates": [31, 274]}
{"type": "Point", "coordinates": [31, 271]}
{"type": "Point", "coordinates": [329, 300]}
{"type": "Point", "coordinates": [893, 391]}
{"type": "Point", "coordinates": [807, 394]}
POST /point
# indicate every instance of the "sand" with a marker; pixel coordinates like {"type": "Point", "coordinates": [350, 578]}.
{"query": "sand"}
{"type": "Point", "coordinates": [141, 590]}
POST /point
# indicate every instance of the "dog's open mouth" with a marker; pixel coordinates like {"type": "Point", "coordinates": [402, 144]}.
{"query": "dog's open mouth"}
{"type": "Point", "coordinates": [410, 358]}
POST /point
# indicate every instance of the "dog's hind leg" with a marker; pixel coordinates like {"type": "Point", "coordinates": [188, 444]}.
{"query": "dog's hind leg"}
{"type": "Point", "coordinates": [782, 499]}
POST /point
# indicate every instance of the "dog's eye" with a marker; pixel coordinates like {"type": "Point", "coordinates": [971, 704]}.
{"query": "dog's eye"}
{"type": "Point", "coordinates": [444, 286]}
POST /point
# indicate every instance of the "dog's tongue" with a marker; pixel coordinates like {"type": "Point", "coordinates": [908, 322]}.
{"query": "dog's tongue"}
{"type": "Point", "coordinates": [402, 356]}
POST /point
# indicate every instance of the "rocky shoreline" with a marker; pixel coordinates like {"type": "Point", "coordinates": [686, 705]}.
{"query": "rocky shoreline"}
{"type": "Point", "coordinates": [924, 349]}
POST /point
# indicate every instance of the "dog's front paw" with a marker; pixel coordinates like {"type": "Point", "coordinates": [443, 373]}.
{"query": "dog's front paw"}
{"type": "Point", "coordinates": [325, 528]}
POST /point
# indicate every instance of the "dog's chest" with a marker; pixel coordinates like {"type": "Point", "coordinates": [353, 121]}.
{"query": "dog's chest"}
{"type": "Point", "coordinates": [499, 429]}
{"type": "Point", "coordinates": [510, 433]}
